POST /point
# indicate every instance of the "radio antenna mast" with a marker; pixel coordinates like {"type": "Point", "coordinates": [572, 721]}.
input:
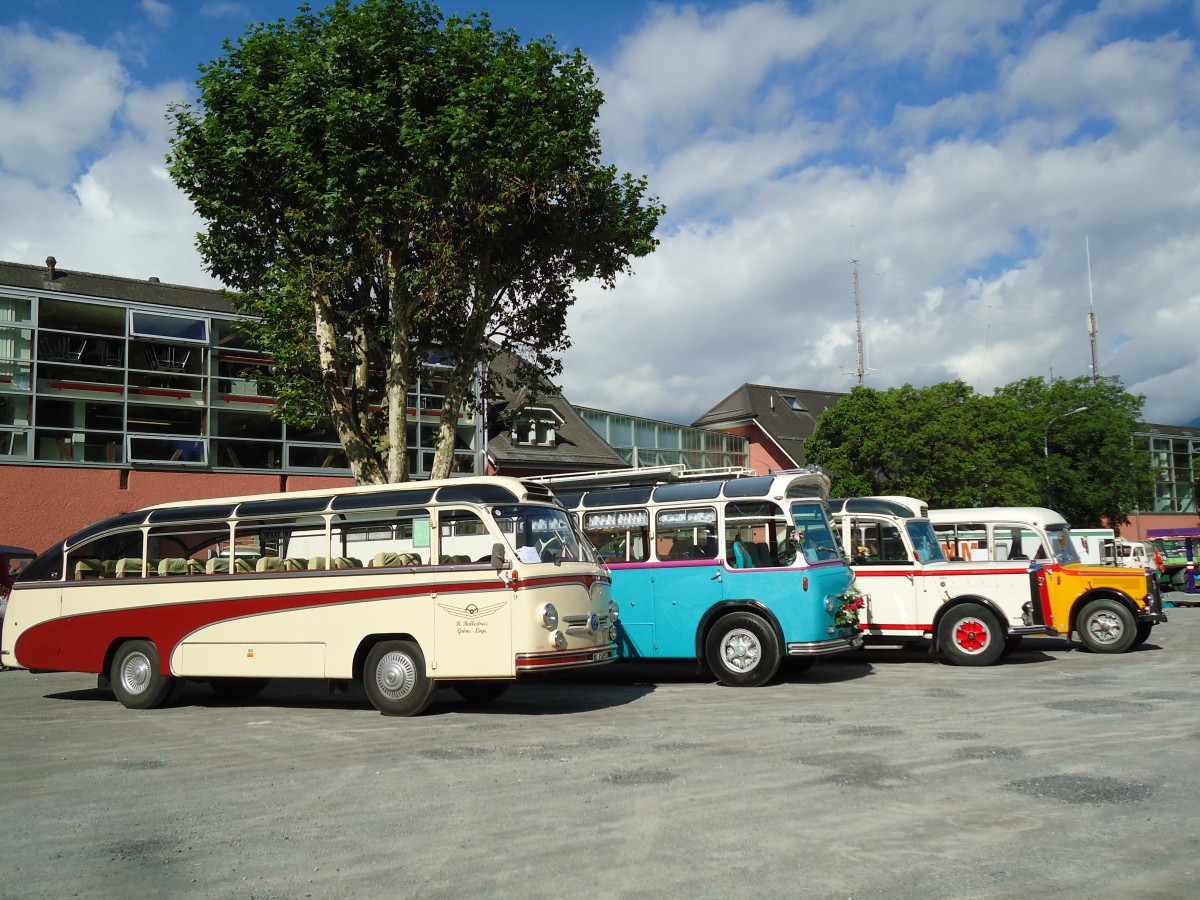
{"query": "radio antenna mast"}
{"type": "Point", "coordinates": [1091, 319]}
{"type": "Point", "coordinates": [862, 368]}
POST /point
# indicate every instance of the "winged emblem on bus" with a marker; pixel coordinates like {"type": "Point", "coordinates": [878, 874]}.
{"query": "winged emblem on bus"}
{"type": "Point", "coordinates": [471, 611]}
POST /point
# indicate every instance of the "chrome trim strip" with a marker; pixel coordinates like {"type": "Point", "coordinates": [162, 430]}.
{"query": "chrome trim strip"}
{"type": "Point", "coordinates": [821, 648]}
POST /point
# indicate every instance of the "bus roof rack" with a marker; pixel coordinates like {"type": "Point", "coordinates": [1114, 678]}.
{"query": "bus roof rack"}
{"type": "Point", "coordinates": [643, 475]}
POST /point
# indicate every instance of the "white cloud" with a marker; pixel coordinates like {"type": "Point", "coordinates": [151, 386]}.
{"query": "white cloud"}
{"type": "Point", "coordinates": [58, 96]}
{"type": "Point", "coordinates": [972, 197]}
{"type": "Point", "coordinates": [157, 12]}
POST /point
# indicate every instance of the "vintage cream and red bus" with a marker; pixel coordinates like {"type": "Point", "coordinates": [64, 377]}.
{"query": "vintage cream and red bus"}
{"type": "Point", "coordinates": [467, 583]}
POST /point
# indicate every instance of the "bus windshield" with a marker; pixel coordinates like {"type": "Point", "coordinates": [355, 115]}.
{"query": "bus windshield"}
{"type": "Point", "coordinates": [541, 534]}
{"type": "Point", "coordinates": [924, 541]}
{"type": "Point", "coordinates": [1061, 544]}
{"type": "Point", "coordinates": [814, 532]}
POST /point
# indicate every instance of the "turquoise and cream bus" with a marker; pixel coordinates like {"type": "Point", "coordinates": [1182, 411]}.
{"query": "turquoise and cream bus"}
{"type": "Point", "coordinates": [467, 583]}
{"type": "Point", "coordinates": [738, 572]}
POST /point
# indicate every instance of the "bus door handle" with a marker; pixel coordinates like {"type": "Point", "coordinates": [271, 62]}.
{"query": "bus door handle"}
{"type": "Point", "coordinates": [716, 577]}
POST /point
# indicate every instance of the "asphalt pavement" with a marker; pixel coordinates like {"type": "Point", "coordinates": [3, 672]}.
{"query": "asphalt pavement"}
{"type": "Point", "coordinates": [880, 773]}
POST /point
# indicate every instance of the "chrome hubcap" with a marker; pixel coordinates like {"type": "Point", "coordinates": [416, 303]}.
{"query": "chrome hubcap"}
{"type": "Point", "coordinates": [395, 675]}
{"type": "Point", "coordinates": [740, 650]}
{"type": "Point", "coordinates": [135, 673]}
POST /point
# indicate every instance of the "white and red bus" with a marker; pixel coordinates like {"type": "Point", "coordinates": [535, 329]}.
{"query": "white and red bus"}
{"type": "Point", "coordinates": [974, 614]}
{"type": "Point", "coordinates": [466, 583]}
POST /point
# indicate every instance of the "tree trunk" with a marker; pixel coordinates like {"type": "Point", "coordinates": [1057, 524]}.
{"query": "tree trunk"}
{"type": "Point", "coordinates": [364, 461]}
{"type": "Point", "coordinates": [397, 378]}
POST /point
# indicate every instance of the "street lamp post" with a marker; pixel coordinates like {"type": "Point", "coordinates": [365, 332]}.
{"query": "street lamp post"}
{"type": "Point", "coordinates": [1046, 449]}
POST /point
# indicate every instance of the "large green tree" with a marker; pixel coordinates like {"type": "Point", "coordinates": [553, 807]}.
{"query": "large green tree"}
{"type": "Point", "coordinates": [1023, 446]}
{"type": "Point", "coordinates": [380, 184]}
{"type": "Point", "coordinates": [1082, 434]}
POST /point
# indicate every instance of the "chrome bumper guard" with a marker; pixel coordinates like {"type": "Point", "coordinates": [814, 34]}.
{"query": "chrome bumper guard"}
{"type": "Point", "coordinates": [822, 648]}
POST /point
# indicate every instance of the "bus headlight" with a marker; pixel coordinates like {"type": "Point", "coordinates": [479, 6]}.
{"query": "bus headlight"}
{"type": "Point", "coordinates": [560, 640]}
{"type": "Point", "coordinates": [550, 616]}
{"type": "Point", "coordinates": [614, 611]}
{"type": "Point", "coordinates": [612, 633]}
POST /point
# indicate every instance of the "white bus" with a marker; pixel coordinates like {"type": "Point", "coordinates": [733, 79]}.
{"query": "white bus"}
{"type": "Point", "coordinates": [974, 614]}
{"type": "Point", "coordinates": [1111, 608]}
{"type": "Point", "coordinates": [465, 583]}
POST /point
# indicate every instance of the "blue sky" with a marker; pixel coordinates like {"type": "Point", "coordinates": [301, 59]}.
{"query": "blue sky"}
{"type": "Point", "coordinates": [966, 155]}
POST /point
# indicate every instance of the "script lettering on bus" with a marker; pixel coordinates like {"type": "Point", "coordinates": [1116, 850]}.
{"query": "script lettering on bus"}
{"type": "Point", "coordinates": [471, 619]}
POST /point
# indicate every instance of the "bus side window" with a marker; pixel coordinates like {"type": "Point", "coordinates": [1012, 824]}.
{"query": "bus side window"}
{"type": "Point", "coordinates": [464, 537]}
{"type": "Point", "coordinates": [752, 530]}
{"type": "Point", "coordinates": [185, 549]}
{"type": "Point", "coordinates": [686, 533]}
{"type": "Point", "coordinates": [99, 558]}
{"type": "Point", "coordinates": [619, 535]}
{"type": "Point", "coordinates": [276, 545]}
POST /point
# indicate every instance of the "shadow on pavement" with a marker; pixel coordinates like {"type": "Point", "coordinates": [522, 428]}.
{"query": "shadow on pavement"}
{"type": "Point", "coordinates": [543, 695]}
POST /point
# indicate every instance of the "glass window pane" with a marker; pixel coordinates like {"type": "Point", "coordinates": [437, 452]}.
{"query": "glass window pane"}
{"type": "Point", "coordinates": [248, 425]}
{"type": "Point", "coordinates": [245, 454]}
{"type": "Point", "coordinates": [177, 328]}
{"type": "Point", "coordinates": [15, 309]}
{"type": "Point", "coordinates": [317, 457]}
{"type": "Point", "coordinates": [72, 315]}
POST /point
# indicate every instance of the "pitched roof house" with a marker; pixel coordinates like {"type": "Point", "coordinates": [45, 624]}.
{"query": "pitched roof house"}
{"type": "Point", "coordinates": [775, 421]}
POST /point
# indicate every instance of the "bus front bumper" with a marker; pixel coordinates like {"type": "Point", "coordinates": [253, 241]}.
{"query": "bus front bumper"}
{"type": "Point", "coordinates": [554, 660]}
{"type": "Point", "coordinates": [823, 648]}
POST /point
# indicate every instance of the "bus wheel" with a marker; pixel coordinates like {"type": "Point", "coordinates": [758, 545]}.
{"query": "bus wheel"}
{"type": "Point", "coordinates": [1106, 626]}
{"type": "Point", "coordinates": [395, 678]}
{"type": "Point", "coordinates": [481, 691]}
{"type": "Point", "coordinates": [742, 650]}
{"type": "Point", "coordinates": [238, 688]}
{"type": "Point", "coordinates": [969, 635]}
{"type": "Point", "coordinates": [136, 678]}
{"type": "Point", "coordinates": [1143, 633]}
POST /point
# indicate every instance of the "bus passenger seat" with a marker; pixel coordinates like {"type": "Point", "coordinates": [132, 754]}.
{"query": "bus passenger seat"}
{"type": "Point", "coordinates": [316, 562]}
{"type": "Point", "coordinates": [269, 564]}
{"type": "Point", "coordinates": [88, 569]}
{"type": "Point", "coordinates": [345, 562]}
{"type": "Point", "coordinates": [295, 564]}
{"type": "Point", "coordinates": [245, 564]}
{"type": "Point", "coordinates": [741, 556]}
{"type": "Point", "coordinates": [173, 565]}
{"type": "Point", "coordinates": [385, 558]}
{"type": "Point", "coordinates": [128, 567]}
{"type": "Point", "coordinates": [217, 565]}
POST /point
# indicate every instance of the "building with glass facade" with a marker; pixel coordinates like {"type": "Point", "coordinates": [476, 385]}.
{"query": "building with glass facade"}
{"type": "Point", "coordinates": [648, 442]}
{"type": "Point", "coordinates": [134, 392]}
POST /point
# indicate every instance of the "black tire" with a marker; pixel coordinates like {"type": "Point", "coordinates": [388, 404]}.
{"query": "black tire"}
{"type": "Point", "coordinates": [238, 688]}
{"type": "Point", "coordinates": [1143, 633]}
{"type": "Point", "coordinates": [482, 691]}
{"type": "Point", "coordinates": [742, 650]}
{"type": "Point", "coordinates": [1012, 643]}
{"type": "Point", "coordinates": [1106, 626]}
{"type": "Point", "coordinates": [136, 677]}
{"type": "Point", "coordinates": [970, 635]}
{"type": "Point", "coordinates": [395, 679]}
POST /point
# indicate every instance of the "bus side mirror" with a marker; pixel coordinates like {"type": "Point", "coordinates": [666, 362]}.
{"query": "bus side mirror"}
{"type": "Point", "coordinates": [499, 559]}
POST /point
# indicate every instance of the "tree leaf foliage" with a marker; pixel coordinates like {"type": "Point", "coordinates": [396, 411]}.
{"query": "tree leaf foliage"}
{"type": "Point", "coordinates": [1021, 446]}
{"type": "Point", "coordinates": [380, 184]}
